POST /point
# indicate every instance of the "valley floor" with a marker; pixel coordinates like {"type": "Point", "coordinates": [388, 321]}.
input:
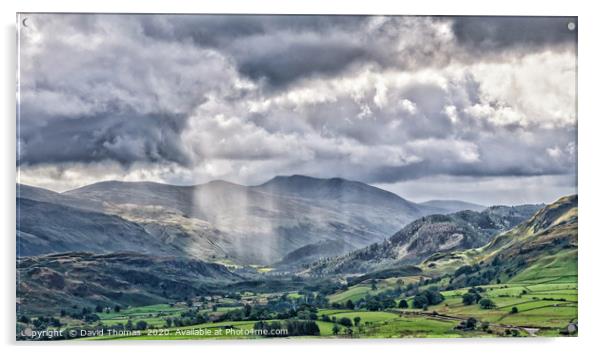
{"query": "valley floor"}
{"type": "Point", "coordinates": [542, 309]}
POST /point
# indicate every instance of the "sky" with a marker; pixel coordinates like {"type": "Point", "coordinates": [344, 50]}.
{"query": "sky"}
{"type": "Point", "coordinates": [481, 109]}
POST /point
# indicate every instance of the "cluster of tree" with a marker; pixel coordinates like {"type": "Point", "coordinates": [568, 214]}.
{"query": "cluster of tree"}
{"type": "Point", "coordinates": [249, 312]}
{"type": "Point", "coordinates": [472, 296]}
{"type": "Point", "coordinates": [307, 297]}
{"type": "Point", "coordinates": [187, 318]}
{"type": "Point", "coordinates": [86, 314]}
{"type": "Point", "coordinates": [425, 298]}
{"type": "Point", "coordinates": [292, 327]}
{"type": "Point", "coordinates": [475, 275]}
{"type": "Point", "coordinates": [345, 321]}
{"type": "Point", "coordinates": [485, 273]}
{"type": "Point", "coordinates": [377, 302]}
{"type": "Point", "coordinates": [281, 310]}
{"type": "Point", "coordinates": [469, 325]}
{"type": "Point", "coordinates": [336, 330]}
{"type": "Point", "coordinates": [486, 304]}
{"type": "Point", "coordinates": [139, 325]}
{"type": "Point", "coordinates": [41, 322]}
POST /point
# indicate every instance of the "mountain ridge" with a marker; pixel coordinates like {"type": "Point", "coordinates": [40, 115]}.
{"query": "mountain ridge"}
{"type": "Point", "coordinates": [429, 235]}
{"type": "Point", "coordinates": [249, 224]}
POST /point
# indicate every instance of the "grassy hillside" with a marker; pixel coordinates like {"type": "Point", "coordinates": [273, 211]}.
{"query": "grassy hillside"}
{"type": "Point", "coordinates": [538, 243]}
{"type": "Point", "coordinates": [69, 281]}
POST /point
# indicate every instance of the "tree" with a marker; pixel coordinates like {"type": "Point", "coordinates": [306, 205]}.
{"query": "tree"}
{"type": "Point", "coordinates": [346, 322]}
{"type": "Point", "coordinates": [141, 325]}
{"type": "Point", "coordinates": [336, 329]}
{"type": "Point", "coordinates": [91, 317]}
{"type": "Point", "coordinates": [486, 304]}
{"type": "Point", "coordinates": [514, 309]}
{"type": "Point", "coordinates": [420, 301]}
{"type": "Point", "coordinates": [403, 304]}
{"type": "Point", "coordinates": [471, 323]}
{"type": "Point", "coordinates": [350, 304]}
{"type": "Point", "coordinates": [373, 284]}
{"type": "Point", "coordinates": [117, 308]}
{"type": "Point", "coordinates": [469, 298]}
{"type": "Point", "coordinates": [24, 319]}
{"type": "Point", "coordinates": [431, 296]}
{"type": "Point", "coordinates": [98, 308]}
{"type": "Point", "coordinates": [356, 321]}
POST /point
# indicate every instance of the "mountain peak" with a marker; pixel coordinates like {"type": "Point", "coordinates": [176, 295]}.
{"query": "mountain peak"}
{"type": "Point", "coordinates": [336, 189]}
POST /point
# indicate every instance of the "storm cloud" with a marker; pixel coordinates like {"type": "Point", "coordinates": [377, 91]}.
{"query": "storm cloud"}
{"type": "Point", "coordinates": [385, 100]}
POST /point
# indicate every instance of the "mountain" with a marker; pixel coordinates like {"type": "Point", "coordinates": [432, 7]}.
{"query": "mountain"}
{"type": "Point", "coordinates": [452, 206]}
{"type": "Point", "coordinates": [258, 224]}
{"type": "Point", "coordinates": [47, 284]}
{"type": "Point", "coordinates": [338, 190]}
{"type": "Point", "coordinates": [50, 228]}
{"type": "Point", "coordinates": [429, 235]}
{"type": "Point", "coordinates": [44, 195]}
{"type": "Point", "coordinates": [544, 246]}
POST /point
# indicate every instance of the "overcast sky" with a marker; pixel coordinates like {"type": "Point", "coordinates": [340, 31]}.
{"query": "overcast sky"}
{"type": "Point", "coordinates": [475, 108]}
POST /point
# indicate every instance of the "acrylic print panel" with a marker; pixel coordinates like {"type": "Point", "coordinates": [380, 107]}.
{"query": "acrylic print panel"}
{"type": "Point", "coordinates": [268, 177]}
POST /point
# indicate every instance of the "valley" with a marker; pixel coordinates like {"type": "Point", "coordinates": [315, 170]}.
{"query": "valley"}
{"type": "Point", "coordinates": [143, 261]}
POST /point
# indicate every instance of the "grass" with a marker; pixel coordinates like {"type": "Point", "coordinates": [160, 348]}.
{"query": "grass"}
{"type": "Point", "coordinates": [142, 311]}
{"type": "Point", "coordinates": [551, 267]}
{"type": "Point", "coordinates": [354, 293]}
{"type": "Point", "coordinates": [413, 326]}
{"type": "Point", "coordinates": [366, 316]}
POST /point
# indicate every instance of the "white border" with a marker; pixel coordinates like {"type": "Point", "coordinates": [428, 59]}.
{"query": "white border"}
{"type": "Point", "coordinates": [590, 244]}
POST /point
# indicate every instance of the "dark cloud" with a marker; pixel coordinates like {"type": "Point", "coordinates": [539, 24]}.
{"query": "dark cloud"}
{"type": "Point", "coordinates": [487, 34]}
{"type": "Point", "coordinates": [118, 136]}
{"type": "Point", "coordinates": [282, 49]}
{"type": "Point", "coordinates": [276, 49]}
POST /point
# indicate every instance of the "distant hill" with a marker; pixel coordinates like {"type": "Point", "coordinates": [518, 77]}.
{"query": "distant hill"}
{"type": "Point", "coordinates": [248, 225]}
{"type": "Point", "coordinates": [60, 281]}
{"type": "Point", "coordinates": [429, 235]}
{"type": "Point", "coordinates": [452, 206]}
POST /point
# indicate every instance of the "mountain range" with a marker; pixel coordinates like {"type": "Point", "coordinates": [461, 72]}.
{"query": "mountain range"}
{"type": "Point", "coordinates": [287, 219]}
{"type": "Point", "coordinates": [134, 243]}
